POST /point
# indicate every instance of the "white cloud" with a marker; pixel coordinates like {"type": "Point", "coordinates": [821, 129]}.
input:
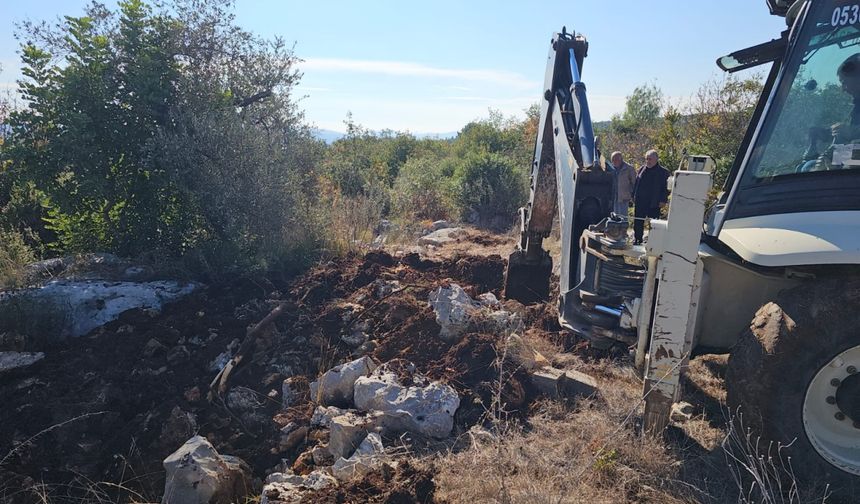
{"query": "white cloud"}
{"type": "Point", "coordinates": [408, 69]}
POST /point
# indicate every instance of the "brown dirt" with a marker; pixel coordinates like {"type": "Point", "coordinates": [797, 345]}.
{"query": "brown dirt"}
{"type": "Point", "coordinates": [110, 406]}
{"type": "Point", "coordinates": [405, 484]}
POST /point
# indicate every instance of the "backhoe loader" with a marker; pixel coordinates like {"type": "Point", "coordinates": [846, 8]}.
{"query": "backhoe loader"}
{"type": "Point", "coordinates": [768, 271]}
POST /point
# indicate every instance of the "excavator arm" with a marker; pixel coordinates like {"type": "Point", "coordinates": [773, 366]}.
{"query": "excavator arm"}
{"type": "Point", "coordinates": [568, 177]}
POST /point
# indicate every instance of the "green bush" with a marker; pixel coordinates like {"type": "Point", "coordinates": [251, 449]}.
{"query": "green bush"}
{"type": "Point", "coordinates": [422, 191]}
{"type": "Point", "coordinates": [490, 184]}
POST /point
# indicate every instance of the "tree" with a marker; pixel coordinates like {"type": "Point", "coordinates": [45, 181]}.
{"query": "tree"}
{"type": "Point", "coordinates": [643, 107]}
{"type": "Point", "coordinates": [669, 138]}
{"type": "Point", "coordinates": [718, 118]}
{"type": "Point", "coordinates": [161, 128]}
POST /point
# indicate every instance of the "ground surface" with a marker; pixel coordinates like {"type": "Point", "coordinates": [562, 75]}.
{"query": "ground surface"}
{"type": "Point", "coordinates": [94, 421]}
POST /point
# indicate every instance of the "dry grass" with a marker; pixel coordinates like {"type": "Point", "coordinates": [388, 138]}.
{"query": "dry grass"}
{"type": "Point", "coordinates": [590, 452]}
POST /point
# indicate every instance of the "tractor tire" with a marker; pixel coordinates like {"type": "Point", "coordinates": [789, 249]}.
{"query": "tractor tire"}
{"type": "Point", "coordinates": [792, 382]}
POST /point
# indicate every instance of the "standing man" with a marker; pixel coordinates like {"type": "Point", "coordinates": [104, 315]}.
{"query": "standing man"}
{"type": "Point", "coordinates": [650, 193]}
{"type": "Point", "coordinates": [625, 181]}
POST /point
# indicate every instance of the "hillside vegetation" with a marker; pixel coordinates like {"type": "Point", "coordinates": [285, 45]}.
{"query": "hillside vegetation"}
{"type": "Point", "coordinates": [167, 131]}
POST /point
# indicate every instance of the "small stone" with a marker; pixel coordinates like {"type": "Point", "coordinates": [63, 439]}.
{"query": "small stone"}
{"type": "Point", "coordinates": [523, 354]}
{"type": "Point", "coordinates": [178, 354]}
{"type": "Point", "coordinates": [441, 237]}
{"type": "Point", "coordinates": [324, 414]}
{"type": "Point", "coordinates": [354, 339]}
{"type": "Point", "coordinates": [291, 436]}
{"type": "Point", "coordinates": [289, 488]}
{"type": "Point", "coordinates": [321, 455]}
{"type": "Point", "coordinates": [153, 347]}
{"type": "Point", "coordinates": [682, 412]}
{"type": "Point", "coordinates": [192, 395]}
{"type": "Point", "coordinates": [489, 299]}
{"type": "Point", "coordinates": [559, 384]}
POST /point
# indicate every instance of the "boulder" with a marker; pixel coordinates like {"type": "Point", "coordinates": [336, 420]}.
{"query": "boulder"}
{"type": "Point", "coordinates": [454, 310]}
{"type": "Point", "coordinates": [440, 224]}
{"type": "Point", "coordinates": [367, 457]}
{"type": "Point", "coordinates": [289, 488]}
{"type": "Point", "coordinates": [427, 410]}
{"type": "Point", "coordinates": [335, 386]}
{"type": "Point", "coordinates": [441, 237]}
{"type": "Point", "coordinates": [197, 474]}
{"type": "Point", "coordinates": [12, 361]}
{"type": "Point", "coordinates": [78, 307]}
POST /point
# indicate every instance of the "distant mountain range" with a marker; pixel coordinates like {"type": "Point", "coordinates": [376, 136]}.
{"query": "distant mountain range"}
{"type": "Point", "coordinates": [329, 136]}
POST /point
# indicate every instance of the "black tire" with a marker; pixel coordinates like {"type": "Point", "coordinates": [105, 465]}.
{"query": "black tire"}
{"type": "Point", "coordinates": [774, 362]}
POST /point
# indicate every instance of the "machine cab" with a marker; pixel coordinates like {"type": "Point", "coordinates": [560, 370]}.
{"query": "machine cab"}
{"type": "Point", "coordinates": [793, 196]}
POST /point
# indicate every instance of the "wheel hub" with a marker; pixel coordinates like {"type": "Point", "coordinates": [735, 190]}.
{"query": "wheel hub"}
{"type": "Point", "coordinates": [848, 397]}
{"type": "Point", "coordinates": [831, 411]}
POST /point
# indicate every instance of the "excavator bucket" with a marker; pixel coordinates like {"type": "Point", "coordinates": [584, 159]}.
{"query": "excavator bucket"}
{"type": "Point", "coordinates": [527, 280]}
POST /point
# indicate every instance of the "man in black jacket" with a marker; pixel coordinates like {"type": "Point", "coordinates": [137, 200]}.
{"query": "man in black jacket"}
{"type": "Point", "coordinates": [650, 193]}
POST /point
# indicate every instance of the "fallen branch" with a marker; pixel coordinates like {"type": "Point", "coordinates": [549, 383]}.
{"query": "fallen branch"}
{"type": "Point", "coordinates": [247, 344]}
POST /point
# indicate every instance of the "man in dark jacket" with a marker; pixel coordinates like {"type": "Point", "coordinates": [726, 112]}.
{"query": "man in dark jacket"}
{"type": "Point", "coordinates": [650, 193]}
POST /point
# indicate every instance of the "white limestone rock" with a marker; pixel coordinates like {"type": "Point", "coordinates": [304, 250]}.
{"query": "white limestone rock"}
{"type": "Point", "coordinates": [427, 410]}
{"type": "Point", "coordinates": [335, 386]}
{"type": "Point", "coordinates": [289, 488]}
{"type": "Point", "coordinates": [367, 457]}
{"type": "Point", "coordinates": [197, 474]}
{"type": "Point", "coordinates": [454, 310]}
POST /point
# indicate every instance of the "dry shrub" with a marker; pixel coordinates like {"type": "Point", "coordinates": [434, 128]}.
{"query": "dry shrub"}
{"type": "Point", "coordinates": [349, 221]}
{"type": "Point", "coordinates": [762, 471]}
{"type": "Point", "coordinates": [14, 255]}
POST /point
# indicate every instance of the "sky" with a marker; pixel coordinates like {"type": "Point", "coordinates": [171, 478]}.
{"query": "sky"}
{"type": "Point", "coordinates": [431, 67]}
